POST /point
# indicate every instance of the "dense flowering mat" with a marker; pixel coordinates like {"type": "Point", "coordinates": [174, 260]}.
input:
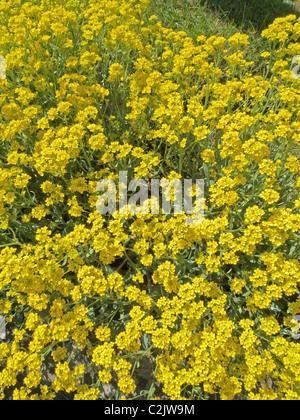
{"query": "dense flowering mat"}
{"type": "Point", "coordinates": [145, 305]}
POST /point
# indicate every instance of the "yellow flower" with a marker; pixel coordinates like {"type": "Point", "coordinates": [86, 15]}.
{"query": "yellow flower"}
{"type": "Point", "coordinates": [238, 285]}
{"type": "Point", "coordinates": [115, 70]}
{"type": "Point", "coordinates": [105, 376]}
{"type": "Point", "coordinates": [208, 155]}
{"type": "Point", "coordinates": [59, 354]}
{"type": "Point", "coordinates": [270, 196]}
{"type": "Point", "coordinates": [201, 132]}
{"type": "Point", "coordinates": [270, 325]}
{"type": "Point", "coordinates": [103, 333]}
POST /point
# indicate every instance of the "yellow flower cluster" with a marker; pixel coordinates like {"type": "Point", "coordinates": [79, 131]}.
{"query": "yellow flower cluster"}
{"type": "Point", "coordinates": [94, 88]}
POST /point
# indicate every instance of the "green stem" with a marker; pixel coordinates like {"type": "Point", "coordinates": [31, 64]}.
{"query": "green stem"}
{"type": "Point", "coordinates": [11, 244]}
{"type": "Point", "coordinates": [86, 155]}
